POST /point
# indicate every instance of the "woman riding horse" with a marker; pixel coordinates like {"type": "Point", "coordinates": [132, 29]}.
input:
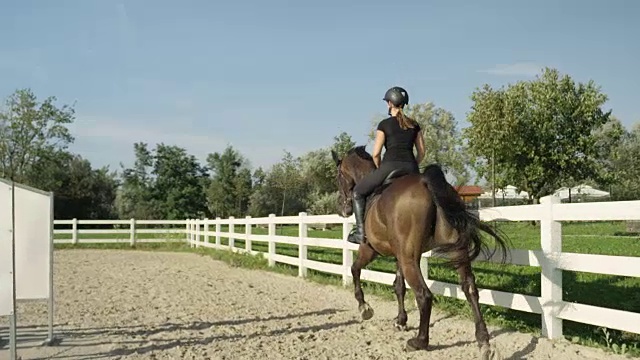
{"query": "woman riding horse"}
{"type": "Point", "coordinates": [399, 134]}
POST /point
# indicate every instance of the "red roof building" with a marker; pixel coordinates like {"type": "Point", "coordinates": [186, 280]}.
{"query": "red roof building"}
{"type": "Point", "coordinates": [469, 192]}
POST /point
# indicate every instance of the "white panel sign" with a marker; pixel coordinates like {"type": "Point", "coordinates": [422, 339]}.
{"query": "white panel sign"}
{"type": "Point", "coordinates": [33, 233]}
{"type": "Point", "coordinates": [6, 279]}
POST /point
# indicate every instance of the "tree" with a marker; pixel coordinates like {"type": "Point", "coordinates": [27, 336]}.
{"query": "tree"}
{"type": "Point", "coordinates": [135, 197]}
{"type": "Point", "coordinates": [227, 193]}
{"type": "Point", "coordinates": [318, 171]}
{"type": "Point", "coordinates": [286, 177]}
{"type": "Point", "coordinates": [179, 183]}
{"type": "Point", "coordinates": [50, 173]}
{"type": "Point", "coordinates": [258, 177]}
{"type": "Point", "coordinates": [540, 133]}
{"type": "Point", "coordinates": [489, 129]}
{"type": "Point", "coordinates": [283, 190]}
{"type": "Point", "coordinates": [84, 192]}
{"type": "Point", "coordinates": [166, 183]}
{"type": "Point", "coordinates": [626, 167]}
{"type": "Point", "coordinates": [442, 140]}
{"type": "Point", "coordinates": [242, 190]}
{"type": "Point", "coordinates": [103, 195]}
{"type": "Point", "coordinates": [31, 132]}
{"type": "Point", "coordinates": [342, 143]}
{"type": "Point", "coordinates": [262, 202]}
{"type": "Point", "coordinates": [323, 204]}
{"type": "Point", "coordinates": [608, 141]}
{"type": "Point", "coordinates": [33, 150]}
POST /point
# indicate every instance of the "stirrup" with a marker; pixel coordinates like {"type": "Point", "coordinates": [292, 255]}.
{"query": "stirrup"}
{"type": "Point", "coordinates": [353, 236]}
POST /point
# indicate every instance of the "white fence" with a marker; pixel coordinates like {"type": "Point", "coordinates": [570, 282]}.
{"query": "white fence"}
{"type": "Point", "coordinates": [119, 227]}
{"type": "Point", "coordinates": [551, 259]}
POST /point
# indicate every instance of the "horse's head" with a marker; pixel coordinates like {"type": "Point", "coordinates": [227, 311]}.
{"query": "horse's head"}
{"type": "Point", "coordinates": [355, 164]}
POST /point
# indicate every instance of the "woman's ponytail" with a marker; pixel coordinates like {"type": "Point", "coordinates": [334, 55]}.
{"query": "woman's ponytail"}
{"type": "Point", "coordinates": [405, 121]}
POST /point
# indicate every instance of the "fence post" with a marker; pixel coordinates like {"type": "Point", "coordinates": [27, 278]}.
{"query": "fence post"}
{"type": "Point", "coordinates": [218, 229]}
{"type": "Point", "coordinates": [192, 232]}
{"type": "Point", "coordinates": [206, 230]}
{"type": "Point", "coordinates": [347, 255]}
{"type": "Point", "coordinates": [189, 237]}
{"type": "Point", "coordinates": [198, 232]}
{"type": "Point", "coordinates": [74, 231]}
{"type": "Point", "coordinates": [232, 229]}
{"type": "Point", "coordinates": [302, 247]}
{"type": "Point", "coordinates": [247, 234]}
{"type": "Point", "coordinates": [186, 231]}
{"type": "Point", "coordinates": [551, 277]}
{"type": "Point", "coordinates": [272, 244]}
{"type": "Point", "coordinates": [424, 267]}
{"type": "Point", "coordinates": [132, 230]}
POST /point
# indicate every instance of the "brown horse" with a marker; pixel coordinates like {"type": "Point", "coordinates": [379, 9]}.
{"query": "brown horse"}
{"type": "Point", "coordinates": [407, 216]}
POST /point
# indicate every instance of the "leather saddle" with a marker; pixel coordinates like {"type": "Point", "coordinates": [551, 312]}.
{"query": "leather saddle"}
{"type": "Point", "coordinates": [393, 175]}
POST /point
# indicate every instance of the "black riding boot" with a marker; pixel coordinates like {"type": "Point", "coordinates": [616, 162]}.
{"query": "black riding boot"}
{"type": "Point", "coordinates": [357, 234]}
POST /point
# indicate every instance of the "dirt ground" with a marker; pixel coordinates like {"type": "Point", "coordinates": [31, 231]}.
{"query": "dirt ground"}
{"type": "Point", "coordinates": [151, 305]}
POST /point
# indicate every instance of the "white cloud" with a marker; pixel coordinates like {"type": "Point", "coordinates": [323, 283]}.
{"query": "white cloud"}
{"type": "Point", "coordinates": [122, 131]}
{"type": "Point", "coordinates": [516, 69]}
{"type": "Point", "coordinates": [109, 141]}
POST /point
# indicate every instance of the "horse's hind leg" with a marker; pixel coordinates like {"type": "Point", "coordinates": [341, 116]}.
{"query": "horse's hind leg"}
{"type": "Point", "coordinates": [468, 284]}
{"type": "Point", "coordinates": [401, 289]}
{"type": "Point", "coordinates": [424, 297]}
{"type": "Point", "coordinates": [365, 256]}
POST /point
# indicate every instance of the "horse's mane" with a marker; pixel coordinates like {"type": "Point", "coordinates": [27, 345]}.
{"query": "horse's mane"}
{"type": "Point", "coordinates": [361, 152]}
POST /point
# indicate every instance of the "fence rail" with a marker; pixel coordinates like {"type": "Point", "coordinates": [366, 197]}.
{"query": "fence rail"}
{"type": "Point", "coordinates": [550, 305]}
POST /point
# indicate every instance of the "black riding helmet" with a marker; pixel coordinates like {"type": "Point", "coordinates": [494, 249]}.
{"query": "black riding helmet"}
{"type": "Point", "coordinates": [397, 96]}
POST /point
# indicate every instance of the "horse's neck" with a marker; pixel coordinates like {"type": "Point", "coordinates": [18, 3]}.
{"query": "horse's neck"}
{"type": "Point", "coordinates": [363, 173]}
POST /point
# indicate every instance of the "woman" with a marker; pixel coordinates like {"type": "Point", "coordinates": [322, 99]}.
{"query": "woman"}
{"type": "Point", "coordinates": [399, 134]}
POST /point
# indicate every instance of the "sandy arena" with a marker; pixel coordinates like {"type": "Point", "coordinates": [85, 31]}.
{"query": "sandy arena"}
{"type": "Point", "coordinates": [151, 305]}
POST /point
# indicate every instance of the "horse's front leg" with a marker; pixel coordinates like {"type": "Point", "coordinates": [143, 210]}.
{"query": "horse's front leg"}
{"type": "Point", "coordinates": [365, 256]}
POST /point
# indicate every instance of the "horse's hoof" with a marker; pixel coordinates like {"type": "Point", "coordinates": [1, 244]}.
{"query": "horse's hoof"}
{"type": "Point", "coordinates": [400, 327]}
{"type": "Point", "coordinates": [489, 353]}
{"type": "Point", "coordinates": [366, 312]}
{"type": "Point", "coordinates": [415, 345]}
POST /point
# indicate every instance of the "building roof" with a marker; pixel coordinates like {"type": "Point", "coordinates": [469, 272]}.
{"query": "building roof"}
{"type": "Point", "coordinates": [467, 190]}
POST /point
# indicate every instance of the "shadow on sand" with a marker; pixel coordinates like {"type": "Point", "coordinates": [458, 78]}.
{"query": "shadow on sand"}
{"type": "Point", "coordinates": [520, 354]}
{"type": "Point", "coordinates": [140, 337]}
{"type": "Point", "coordinates": [140, 343]}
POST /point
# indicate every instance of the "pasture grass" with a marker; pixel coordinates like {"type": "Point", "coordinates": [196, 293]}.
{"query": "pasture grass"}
{"type": "Point", "coordinates": [606, 238]}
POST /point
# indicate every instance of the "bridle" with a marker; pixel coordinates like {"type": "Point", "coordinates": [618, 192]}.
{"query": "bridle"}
{"type": "Point", "coordinates": [347, 196]}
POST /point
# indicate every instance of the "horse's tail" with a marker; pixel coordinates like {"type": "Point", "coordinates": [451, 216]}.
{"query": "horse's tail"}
{"type": "Point", "coordinates": [447, 200]}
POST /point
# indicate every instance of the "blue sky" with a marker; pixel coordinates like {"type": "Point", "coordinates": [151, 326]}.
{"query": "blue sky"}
{"type": "Point", "coordinates": [265, 76]}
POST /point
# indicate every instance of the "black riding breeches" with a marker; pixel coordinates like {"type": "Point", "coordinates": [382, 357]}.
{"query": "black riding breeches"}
{"type": "Point", "coordinates": [374, 179]}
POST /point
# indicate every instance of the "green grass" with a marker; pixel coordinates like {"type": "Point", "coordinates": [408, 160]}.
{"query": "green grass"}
{"type": "Point", "coordinates": [614, 292]}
